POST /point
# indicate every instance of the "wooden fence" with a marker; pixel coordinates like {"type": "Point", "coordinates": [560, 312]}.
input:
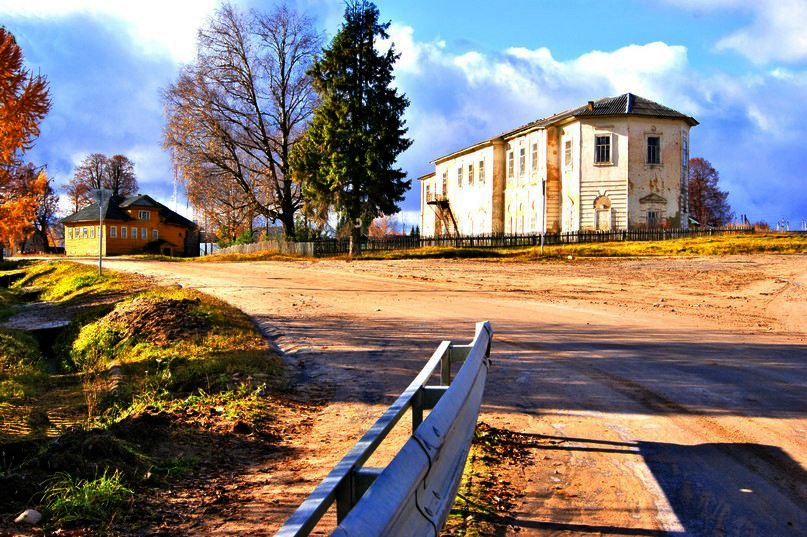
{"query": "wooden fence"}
{"type": "Point", "coordinates": [331, 247]}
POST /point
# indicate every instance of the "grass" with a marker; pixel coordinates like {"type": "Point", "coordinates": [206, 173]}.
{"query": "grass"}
{"type": "Point", "coordinates": [68, 499]}
{"type": "Point", "coordinates": [205, 369]}
{"type": "Point", "coordinates": [771, 243]}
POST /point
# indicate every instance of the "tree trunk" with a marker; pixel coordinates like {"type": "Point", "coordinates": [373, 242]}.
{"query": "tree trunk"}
{"type": "Point", "coordinates": [355, 242]}
{"type": "Point", "coordinates": [2, 248]}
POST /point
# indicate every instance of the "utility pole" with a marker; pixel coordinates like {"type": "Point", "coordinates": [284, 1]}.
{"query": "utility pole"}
{"type": "Point", "coordinates": [101, 196]}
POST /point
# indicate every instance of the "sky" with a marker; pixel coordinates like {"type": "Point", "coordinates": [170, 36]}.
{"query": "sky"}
{"type": "Point", "coordinates": [471, 69]}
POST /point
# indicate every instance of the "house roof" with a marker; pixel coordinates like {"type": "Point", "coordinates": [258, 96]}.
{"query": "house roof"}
{"type": "Point", "coordinates": [115, 211]}
{"type": "Point", "coordinates": [626, 104]}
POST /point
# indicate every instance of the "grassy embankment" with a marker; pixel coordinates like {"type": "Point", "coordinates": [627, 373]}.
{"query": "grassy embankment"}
{"type": "Point", "coordinates": [770, 243]}
{"type": "Point", "coordinates": [136, 381]}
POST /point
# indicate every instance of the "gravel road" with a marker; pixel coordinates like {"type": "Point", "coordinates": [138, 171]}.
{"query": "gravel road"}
{"type": "Point", "coordinates": [672, 390]}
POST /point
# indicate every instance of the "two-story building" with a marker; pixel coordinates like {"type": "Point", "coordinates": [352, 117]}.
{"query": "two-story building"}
{"type": "Point", "coordinates": [615, 163]}
{"type": "Point", "coordinates": [132, 225]}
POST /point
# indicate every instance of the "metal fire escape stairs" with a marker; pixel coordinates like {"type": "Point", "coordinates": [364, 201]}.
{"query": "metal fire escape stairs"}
{"type": "Point", "coordinates": [442, 208]}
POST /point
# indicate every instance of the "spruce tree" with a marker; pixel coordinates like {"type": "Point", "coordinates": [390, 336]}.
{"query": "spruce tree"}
{"type": "Point", "coordinates": [358, 130]}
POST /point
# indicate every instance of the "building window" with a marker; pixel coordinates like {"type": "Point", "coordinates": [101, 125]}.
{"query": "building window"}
{"type": "Point", "coordinates": [84, 233]}
{"type": "Point", "coordinates": [602, 149]}
{"type": "Point", "coordinates": [428, 192]}
{"type": "Point", "coordinates": [123, 230]}
{"type": "Point", "coordinates": [154, 234]}
{"type": "Point", "coordinates": [510, 164]}
{"type": "Point", "coordinates": [567, 154]}
{"type": "Point", "coordinates": [445, 183]}
{"type": "Point", "coordinates": [534, 158]}
{"type": "Point", "coordinates": [144, 215]}
{"type": "Point", "coordinates": [113, 232]}
{"type": "Point", "coordinates": [134, 233]}
{"type": "Point", "coordinates": [653, 218]}
{"type": "Point", "coordinates": [92, 232]}
{"type": "Point", "coordinates": [522, 161]}
{"type": "Point", "coordinates": [470, 174]}
{"type": "Point", "coordinates": [70, 233]}
{"type": "Point", "coordinates": [144, 233]}
{"type": "Point", "coordinates": [481, 172]}
{"type": "Point", "coordinates": [459, 176]}
{"type": "Point", "coordinates": [653, 150]}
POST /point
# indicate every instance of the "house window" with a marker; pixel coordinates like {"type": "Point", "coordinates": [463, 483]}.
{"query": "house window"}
{"type": "Point", "coordinates": [428, 192]}
{"type": "Point", "coordinates": [123, 230]}
{"type": "Point", "coordinates": [653, 150]}
{"type": "Point", "coordinates": [134, 233]}
{"type": "Point", "coordinates": [470, 174]}
{"type": "Point", "coordinates": [70, 233]}
{"type": "Point", "coordinates": [144, 233]}
{"type": "Point", "coordinates": [144, 215]}
{"type": "Point", "coordinates": [567, 153]}
{"type": "Point", "coordinates": [510, 164]}
{"type": "Point", "coordinates": [84, 233]}
{"type": "Point", "coordinates": [113, 232]}
{"type": "Point", "coordinates": [92, 232]}
{"type": "Point", "coordinates": [602, 149]}
{"type": "Point", "coordinates": [481, 172]}
{"type": "Point", "coordinates": [459, 176]}
{"type": "Point", "coordinates": [534, 158]}
{"type": "Point", "coordinates": [445, 183]}
{"type": "Point", "coordinates": [522, 161]}
{"type": "Point", "coordinates": [154, 234]}
{"type": "Point", "coordinates": [653, 218]}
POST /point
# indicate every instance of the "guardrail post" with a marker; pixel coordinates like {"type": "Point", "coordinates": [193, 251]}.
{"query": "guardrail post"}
{"type": "Point", "coordinates": [417, 408]}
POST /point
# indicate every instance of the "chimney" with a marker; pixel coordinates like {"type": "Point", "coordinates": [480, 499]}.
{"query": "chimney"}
{"type": "Point", "coordinates": [590, 105]}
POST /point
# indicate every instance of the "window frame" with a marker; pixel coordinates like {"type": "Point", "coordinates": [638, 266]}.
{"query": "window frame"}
{"type": "Point", "coordinates": [124, 232]}
{"type": "Point", "coordinates": [522, 161]}
{"type": "Point", "coordinates": [144, 233]}
{"type": "Point", "coordinates": [534, 158]}
{"type": "Point", "coordinates": [133, 235]}
{"type": "Point", "coordinates": [656, 218]}
{"type": "Point", "coordinates": [70, 232]}
{"type": "Point", "coordinates": [155, 234]}
{"type": "Point", "coordinates": [113, 232]}
{"type": "Point", "coordinates": [511, 164]}
{"type": "Point", "coordinates": [481, 172]}
{"type": "Point", "coordinates": [445, 183]}
{"type": "Point", "coordinates": [609, 146]}
{"type": "Point", "coordinates": [658, 161]}
{"type": "Point", "coordinates": [92, 232]}
{"type": "Point", "coordinates": [140, 214]}
{"type": "Point", "coordinates": [471, 174]}
{"type": "Point", "coordinates": [459, 176]}
{"type": "Point", "coordinates": [568, 160]}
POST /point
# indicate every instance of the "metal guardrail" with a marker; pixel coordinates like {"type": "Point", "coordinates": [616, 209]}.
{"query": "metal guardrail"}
{"type": "Point", "coordinates": [413, 495]}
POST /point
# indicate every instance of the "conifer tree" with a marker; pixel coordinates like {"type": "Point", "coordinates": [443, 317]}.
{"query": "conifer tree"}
{"type": "Point", "coordinates": [349, 153]}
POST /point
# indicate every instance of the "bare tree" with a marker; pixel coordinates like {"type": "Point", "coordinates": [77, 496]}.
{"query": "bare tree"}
{"type": "Point", "coordinates": [115, 173]}
{"type": "Point", "coordinates": [234, 115]}
{"type": "Point", "coordinates": [707, 203]}
{"type": "Point", "coordinates": [120, 176]}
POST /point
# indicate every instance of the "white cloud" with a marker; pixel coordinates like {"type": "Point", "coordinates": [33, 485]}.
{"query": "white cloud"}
{"type": "Point", "coordinates": [776, 33]}
{"type": "Point", "coordinates": [157, 26]}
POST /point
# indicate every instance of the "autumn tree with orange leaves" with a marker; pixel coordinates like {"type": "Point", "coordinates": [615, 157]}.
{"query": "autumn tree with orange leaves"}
{"type": "Point", "coordinates": [24, 102]}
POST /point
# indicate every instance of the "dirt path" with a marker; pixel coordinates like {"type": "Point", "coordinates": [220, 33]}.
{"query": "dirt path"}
{"type": "Point", "coordinates": [672, 390]}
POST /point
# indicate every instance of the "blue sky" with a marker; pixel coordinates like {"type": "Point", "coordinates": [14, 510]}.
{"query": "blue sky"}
{"type": "Point", "coordinates": [471, 69]}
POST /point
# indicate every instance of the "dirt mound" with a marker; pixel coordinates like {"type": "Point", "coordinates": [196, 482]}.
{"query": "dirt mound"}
{"type": "Point", "coordinates": [160, 320]}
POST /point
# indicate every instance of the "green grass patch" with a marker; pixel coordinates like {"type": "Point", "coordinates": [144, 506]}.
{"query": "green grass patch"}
{"type": "Point", "coordinates": [22, 373]}
{"type": "Point", "coordinates": [64, 280]}
{"type": "Point", "coordinates": [68, 499]}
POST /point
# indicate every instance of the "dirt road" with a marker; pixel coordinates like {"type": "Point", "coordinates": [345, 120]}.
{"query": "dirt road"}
{"type": "Point", "coordinates": [665, 396]}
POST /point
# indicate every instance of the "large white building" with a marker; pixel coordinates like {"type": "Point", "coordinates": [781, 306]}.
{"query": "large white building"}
{"type": "Point", "coordinates": [611, 164]}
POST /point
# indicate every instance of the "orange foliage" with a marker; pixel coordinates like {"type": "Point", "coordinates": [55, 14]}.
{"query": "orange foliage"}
{"type": "Point", "coordinates": [24, 103]}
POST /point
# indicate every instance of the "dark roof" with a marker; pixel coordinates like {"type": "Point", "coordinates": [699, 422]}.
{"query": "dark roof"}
{"type": "Point", "coordinates": [626, 104]}
{"type": "Point", "coordinates": [114, 211]}
{"type": "Point", "coordinates": [90, 213]}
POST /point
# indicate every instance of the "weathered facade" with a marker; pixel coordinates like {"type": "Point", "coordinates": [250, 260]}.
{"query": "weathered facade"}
{"type": "Point", "coordinates": [615, 163]}
{"type": "Point", "coordinates": [132, 225]}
